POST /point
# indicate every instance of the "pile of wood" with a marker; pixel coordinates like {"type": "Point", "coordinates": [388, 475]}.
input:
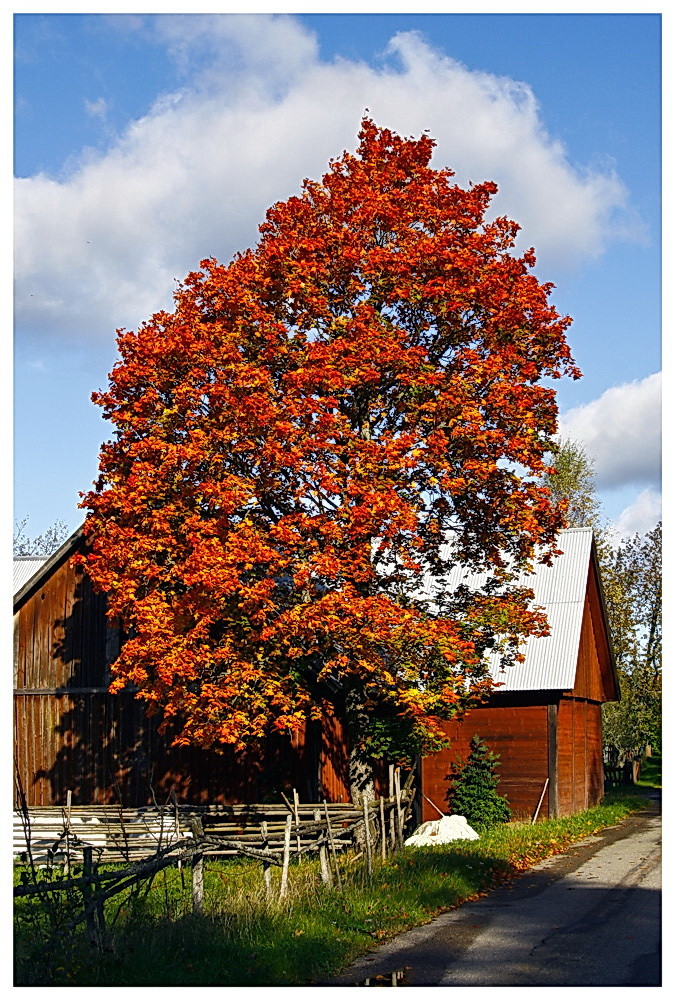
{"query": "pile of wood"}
{"type": "Point", "coordinates": [54, 834]}
{"type": "Point", "coordinates": [132, 834]}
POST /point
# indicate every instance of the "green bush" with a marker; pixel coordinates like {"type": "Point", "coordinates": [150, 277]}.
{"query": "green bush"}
{"type": "Point", "coordinates": [473, 789]}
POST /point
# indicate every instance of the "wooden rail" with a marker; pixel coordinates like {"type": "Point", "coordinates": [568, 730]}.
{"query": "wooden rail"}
{"type": "Point", "coordinates": [126, 835]}
{"type": "Point", "coordinates": [122, 835]}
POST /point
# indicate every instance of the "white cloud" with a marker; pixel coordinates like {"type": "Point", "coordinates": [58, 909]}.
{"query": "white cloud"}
{"type": "Point", "coordinates": [258, 111]}
{"type": "Point", "coordinates": [621, 433]}
{"type": "Point", "coordinates": [641, 516]}
{"type": "Point", "coordinates": [97, 108]}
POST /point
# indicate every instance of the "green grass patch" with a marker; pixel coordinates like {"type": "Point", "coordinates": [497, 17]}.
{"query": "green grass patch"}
{"type": "Point", "coordinates": [244, 939]}
{"type": "Point", "coordinates": [650, 772]}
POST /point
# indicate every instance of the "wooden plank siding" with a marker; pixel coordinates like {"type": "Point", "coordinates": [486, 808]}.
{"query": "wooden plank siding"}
{"type": "Point", "coordinates": [104, 749]}
{"type": "Point", "coordinates": [515, 730]}
{"type": "Point", "coordinates": [70, 734]}
{"type": "Point", "coordinates": [334, 765]}
{"type": "Point", "coordinates": [580, 768]}
{"type": "Point", "coordinates": [594, 679]}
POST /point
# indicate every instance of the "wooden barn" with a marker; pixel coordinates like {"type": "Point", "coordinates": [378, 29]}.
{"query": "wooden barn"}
{"type": "Point", "coordinates": [70, 734]}
{"type": "Point", "coordinates": [545, 719]}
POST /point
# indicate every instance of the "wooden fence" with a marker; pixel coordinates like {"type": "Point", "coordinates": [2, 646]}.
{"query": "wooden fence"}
{"type": "Point", "coordinates": [145, 841]}
{"type": "Point", "coordinates": [626, 774]}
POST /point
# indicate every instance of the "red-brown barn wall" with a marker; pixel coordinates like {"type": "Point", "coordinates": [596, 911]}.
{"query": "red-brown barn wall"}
{"type": "Point", "coordinates": [580, 769]}
{"type": "Point", "coordinates": [70, 734]}
{"type": "Point", "coordinates": [518, 733]}
{"type": "Point", "coordinates": [104, 749]}
{"type": "Point", "coordinates": [334, 773]}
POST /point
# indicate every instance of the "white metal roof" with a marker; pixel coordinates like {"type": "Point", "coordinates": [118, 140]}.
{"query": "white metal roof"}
{"type": "Point", "coordinates": [550, 662]}
{"type": "Point", "coordinates": [24, 568]}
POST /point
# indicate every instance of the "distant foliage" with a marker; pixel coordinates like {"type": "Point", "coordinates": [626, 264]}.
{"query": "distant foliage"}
{"type": "Point", "coordinates": [632, 582]}
{"type": "Point", "coordinates": [473, 789]}
{"type": "Point", "coordinates": [39, 545]}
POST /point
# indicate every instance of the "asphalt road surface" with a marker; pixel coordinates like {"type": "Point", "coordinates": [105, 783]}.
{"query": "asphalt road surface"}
{"type": "Point", "coordinates": [591, 917]}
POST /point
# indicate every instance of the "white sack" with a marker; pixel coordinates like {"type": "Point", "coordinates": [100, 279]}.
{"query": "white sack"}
{"type": "Point", "coordinates": [441, 831]}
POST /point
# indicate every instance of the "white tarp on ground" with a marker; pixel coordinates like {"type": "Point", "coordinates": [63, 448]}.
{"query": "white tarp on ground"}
{"type": "Point", "coordinates": [441, 831]}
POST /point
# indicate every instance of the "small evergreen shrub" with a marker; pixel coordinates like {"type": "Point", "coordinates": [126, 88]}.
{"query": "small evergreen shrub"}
{"type": "Point", "coordinates": [473, 789]}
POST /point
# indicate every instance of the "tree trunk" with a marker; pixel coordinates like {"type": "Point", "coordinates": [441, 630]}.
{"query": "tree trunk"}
{"type": "Point", "coordinates": [361, 784]}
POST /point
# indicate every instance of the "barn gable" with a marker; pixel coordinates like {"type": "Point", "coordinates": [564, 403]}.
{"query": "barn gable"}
{"type": "Point", "coordinates": [570, 592]}
{"type": "Point", "coordinates": [544, 720]}
{"type": "Point", "coordinates": [30, 572]}
{"type": "Point", "coordinates": [596, 676]}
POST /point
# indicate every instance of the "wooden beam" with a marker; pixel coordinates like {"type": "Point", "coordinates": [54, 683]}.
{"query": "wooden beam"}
{"type": "Point", "coordinates": [553, 760]}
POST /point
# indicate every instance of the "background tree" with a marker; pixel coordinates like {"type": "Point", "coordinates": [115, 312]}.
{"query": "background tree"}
{"type": "Point", "coordinates": [573, 483]}
{"type": "Point", "coordinates": [337, 412]}
{"type": "Point", "coordinates": [634, 605]}
{"type": "Point", "coordinates": [38, 545]}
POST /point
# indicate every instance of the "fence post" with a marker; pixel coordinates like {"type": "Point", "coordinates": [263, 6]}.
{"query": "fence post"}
{"type": "Point", "coordinates": [399, 815]}
{"type": "Point", "coordinates": [87, 871]}
{"type": "Point", "coordinates": [383, 830]}
{"type": "Point", "coordinates": [176, 823]}
{"type": "Point", "coordinates": [366, 830]}
{"type": "Point", "coordinates": [198, 883]}
{"type": "Point", "coordinates": [267, 868]}
{"type": "Point", "coordinates": [69, 802]}
{"type": "Point", "coordinates": [287, 853]}
{"type": "Point", "coordinates": [323, 853]}
{"type": "Point", "coordinates": [329, 829]}
{"type": "Point", "coordinates": [296, 802]}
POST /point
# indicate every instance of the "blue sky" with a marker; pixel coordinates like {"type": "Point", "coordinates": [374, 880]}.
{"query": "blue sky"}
{"type": "Point", "coordinates": [145, 143]}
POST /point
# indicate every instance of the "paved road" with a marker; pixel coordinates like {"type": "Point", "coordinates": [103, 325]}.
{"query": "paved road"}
{"type": "Point", "coordinates": [591, 917]}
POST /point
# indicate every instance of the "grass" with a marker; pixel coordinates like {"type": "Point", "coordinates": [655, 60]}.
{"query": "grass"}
{"type": "Point", "coordinates": [650, 772]}
{"type": "Point", "coordinates": [243, 939]}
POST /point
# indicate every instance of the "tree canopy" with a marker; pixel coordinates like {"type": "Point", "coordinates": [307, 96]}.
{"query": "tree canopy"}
{"type": "Point", "coordinates": [347, 406]}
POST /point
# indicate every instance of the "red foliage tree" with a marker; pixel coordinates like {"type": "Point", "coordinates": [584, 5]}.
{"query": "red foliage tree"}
{"type": "Point", "coordinates": [335, 413]}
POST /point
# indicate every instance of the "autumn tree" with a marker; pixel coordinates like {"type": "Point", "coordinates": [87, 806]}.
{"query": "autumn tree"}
{"type": "Point", "coordinates": [312, 434]}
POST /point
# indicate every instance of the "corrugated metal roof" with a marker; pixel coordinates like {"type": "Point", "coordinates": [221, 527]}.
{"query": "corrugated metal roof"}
{"type": "Point", "coordinates": [550, 662]}
{"type": "Point", "coordinates": [24, 568]}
